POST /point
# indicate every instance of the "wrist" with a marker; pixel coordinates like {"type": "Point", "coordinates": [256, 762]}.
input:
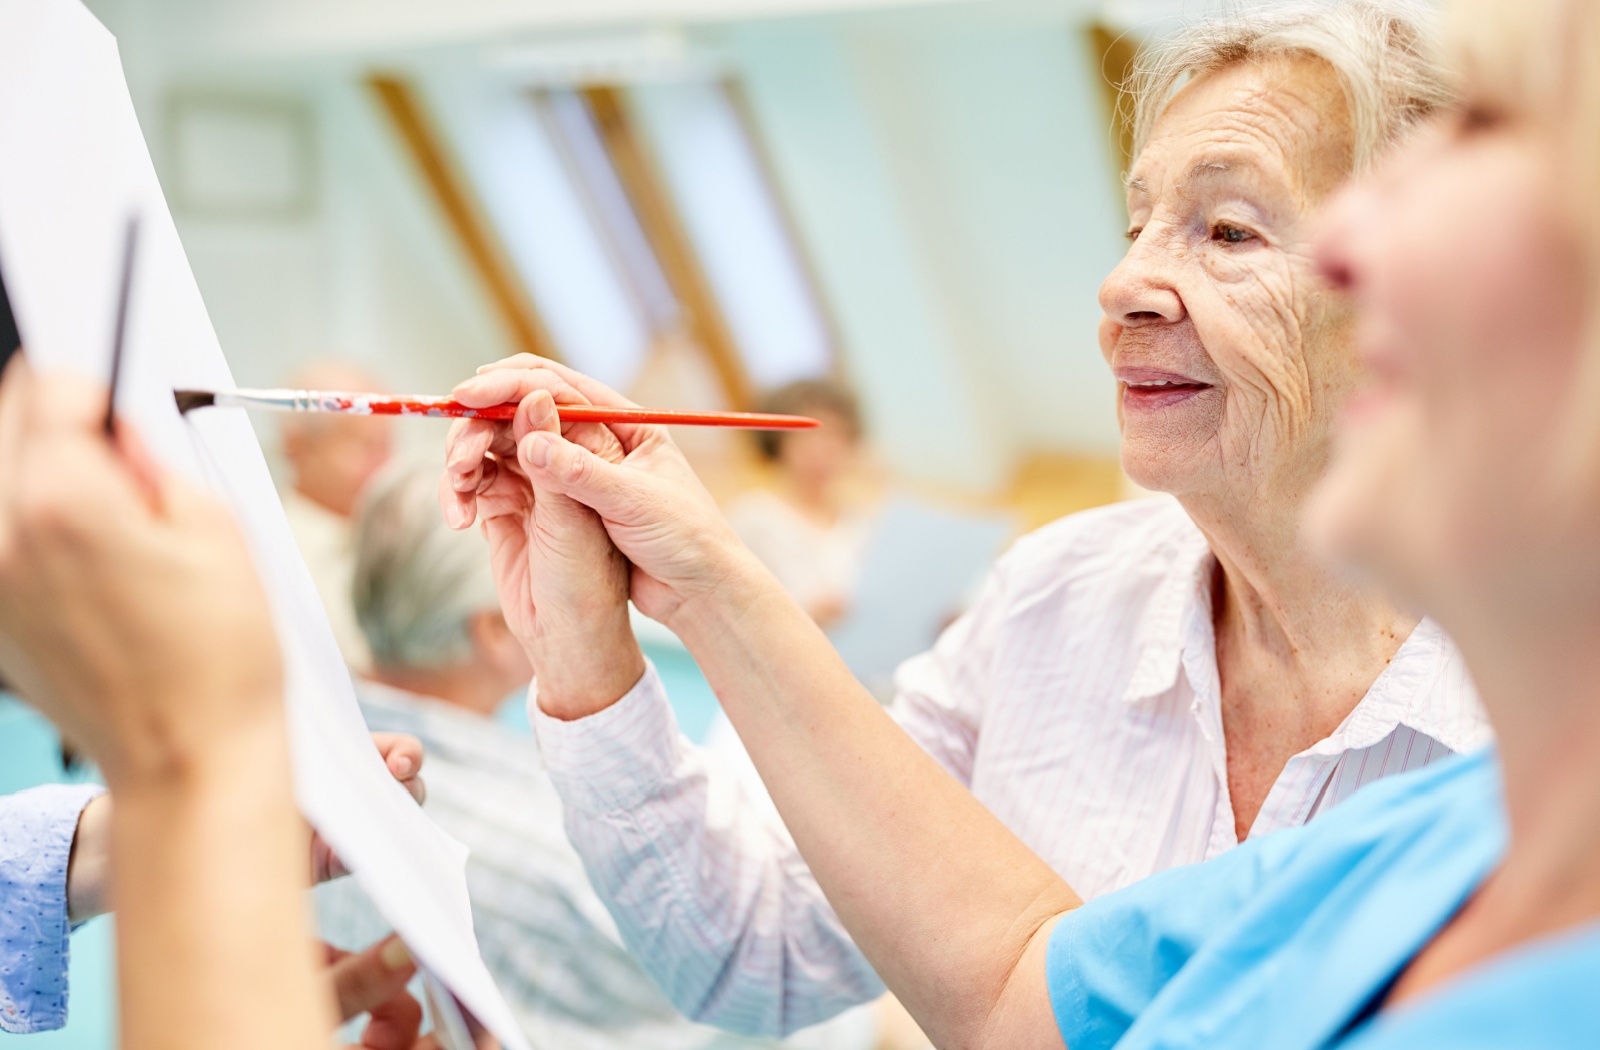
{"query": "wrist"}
{"type": "Point", "coordinates": [174, 761]}
{"type": "Point", "coordinates": [580, 673]}
{"type": "Point", "coordinates": [738, 586]}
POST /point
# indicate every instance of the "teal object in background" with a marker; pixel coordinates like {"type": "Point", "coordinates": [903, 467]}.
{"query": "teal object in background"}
{"type": "Point", "coordinates": [30, 755]}
{"type": "Point", "coordinates": [30, 750]}
{"type": "Point", "coordinates": [693, 701]}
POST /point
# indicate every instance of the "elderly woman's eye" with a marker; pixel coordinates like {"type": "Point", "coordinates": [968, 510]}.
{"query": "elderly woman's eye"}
{"type": "Point", "coordinates": [1230, 234]}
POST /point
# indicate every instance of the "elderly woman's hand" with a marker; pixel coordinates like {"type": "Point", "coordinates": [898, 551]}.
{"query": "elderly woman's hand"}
{"type": "Point", "coordinates": [648, 499]}
{"type": "Point", "coordinates": [578, 495]}
{"type": "Point", "coordinates": [562, 584]}
{"type": "Point", "coordinates": [130, 612]}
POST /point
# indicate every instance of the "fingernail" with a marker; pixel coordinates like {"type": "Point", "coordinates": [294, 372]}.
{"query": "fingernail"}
{"type": "Point", "coordinates": [536, 450]}
{"type": "Point", "coordinates": [395, 955]}
{"type": "Point", "coordinates": [540, 407]}
{"type": "Point", "coordinates": [402, 767]}
{"type": "Point", "coordinates": [455, 515]}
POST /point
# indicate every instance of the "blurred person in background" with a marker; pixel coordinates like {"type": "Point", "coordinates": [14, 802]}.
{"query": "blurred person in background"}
{"type": "Point", "coordinates": [1138, 687]}
{"type": "Point", "coordinates": [443, 659]}
{"type": "Point", "coordinates": [811, 529]}
{"type": "Point", "coordinates": [330, 459]}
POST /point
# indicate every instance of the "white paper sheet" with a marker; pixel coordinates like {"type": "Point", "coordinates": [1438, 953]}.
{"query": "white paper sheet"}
{"type": "Point", "coordinates": [73, 164]}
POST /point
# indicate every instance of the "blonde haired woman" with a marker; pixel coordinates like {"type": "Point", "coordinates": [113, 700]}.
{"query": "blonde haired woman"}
{"type": "Point", "coordinates": [1459, 905]}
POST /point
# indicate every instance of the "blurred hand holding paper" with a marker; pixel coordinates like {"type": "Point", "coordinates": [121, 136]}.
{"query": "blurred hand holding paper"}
{"type": "Point", "coordinates": [73, 167]}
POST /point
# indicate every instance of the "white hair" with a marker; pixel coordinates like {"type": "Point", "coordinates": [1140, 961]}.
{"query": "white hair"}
{"type": "Point", "coordinates": [1384, 55]}
{"type": "Point", "coordinates": [417, 583]}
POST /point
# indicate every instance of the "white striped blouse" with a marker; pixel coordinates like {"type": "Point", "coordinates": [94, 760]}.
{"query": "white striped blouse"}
{"type": "Point", "coordinates": [1078, 699]}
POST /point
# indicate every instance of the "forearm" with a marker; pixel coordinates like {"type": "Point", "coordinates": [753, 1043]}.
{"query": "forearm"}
{"type": "Point", "coordinates": [939, 895]}
{"type": "Point", "coordinates": [213, 936]}
{"type": "Point", "coordinates": [714, 901]}
{"type": "Point", "coordinates": [89, 871]}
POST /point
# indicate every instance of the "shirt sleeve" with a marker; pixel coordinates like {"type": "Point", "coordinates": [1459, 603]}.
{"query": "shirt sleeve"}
{"type": "Point", "coordinates": [1110, 958]}
{"type": "Point", "coordinates": [708, 892]}
{"type": "Point", "coordinates": [36, 832]}
{"type": "Point", "coordinates": [711, 897]}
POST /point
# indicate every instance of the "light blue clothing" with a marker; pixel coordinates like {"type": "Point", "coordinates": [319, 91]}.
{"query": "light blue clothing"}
{"type": "Point", "coordinates": [30, 755]}
{"type": "Point", "coordinates": [1288, 940]}
{"type": "Point", "coordinates": [36, 831]}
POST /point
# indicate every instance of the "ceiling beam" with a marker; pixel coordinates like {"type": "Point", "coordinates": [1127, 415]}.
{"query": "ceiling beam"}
{"type": "Point", "coordinates": [473, 232]}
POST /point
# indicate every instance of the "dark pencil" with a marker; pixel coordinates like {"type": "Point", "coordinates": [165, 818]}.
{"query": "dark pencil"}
{"type": "Point", "coordinates": [129, 247]}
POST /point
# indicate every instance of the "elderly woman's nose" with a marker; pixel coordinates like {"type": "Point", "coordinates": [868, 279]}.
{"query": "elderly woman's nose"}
{"type": "Point", "coordinates": [1141, 291]}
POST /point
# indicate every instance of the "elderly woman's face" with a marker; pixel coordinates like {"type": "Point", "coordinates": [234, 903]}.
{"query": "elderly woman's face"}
{"type": "Point", "coordinates": [1230, 355]}
{"type": "Point", "coordinates": [1466, 262]}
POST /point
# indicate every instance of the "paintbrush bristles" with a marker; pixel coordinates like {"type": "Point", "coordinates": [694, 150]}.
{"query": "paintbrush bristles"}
{"type": "Point", "coordinates": [188, 399]}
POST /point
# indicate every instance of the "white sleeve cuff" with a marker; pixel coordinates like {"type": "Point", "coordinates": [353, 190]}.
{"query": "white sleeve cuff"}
{"type": "Point", "coordinates": [617, 757]}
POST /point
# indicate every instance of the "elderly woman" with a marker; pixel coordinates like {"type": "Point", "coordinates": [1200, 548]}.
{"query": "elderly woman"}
{"type": "Point", "coordinates": [1138, 687]}
{"type": "Point", "coordinates": [1452, 906]}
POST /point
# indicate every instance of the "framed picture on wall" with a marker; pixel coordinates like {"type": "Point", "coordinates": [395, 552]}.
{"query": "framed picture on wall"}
{"type": "Point", "coordinates": [241, 156]}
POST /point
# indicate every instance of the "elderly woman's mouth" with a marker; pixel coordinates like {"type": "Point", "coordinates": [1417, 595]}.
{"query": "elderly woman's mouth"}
{"type": "Point", "coordinates": [1149, 389]}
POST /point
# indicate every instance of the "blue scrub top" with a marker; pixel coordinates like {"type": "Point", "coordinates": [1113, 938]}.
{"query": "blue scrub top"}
{"type": "Point", "coordinates": [1287, 941]}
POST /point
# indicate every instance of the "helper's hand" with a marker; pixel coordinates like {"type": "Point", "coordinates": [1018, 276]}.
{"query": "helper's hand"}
{"type": "Point", "coordinates": [130, 612]}
{"type": "Point", "coordinates": [652, 506]}
{"type": "Point", "coordinates": [402, 755]}
{"type": "Point", "coordinates": [373, 982]}
{"type": "Point", "coordinates": [89, 872]}
{"type": "Point", "coordinates": [562, 584]}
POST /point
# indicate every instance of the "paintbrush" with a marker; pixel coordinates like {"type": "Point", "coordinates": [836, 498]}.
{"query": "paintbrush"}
{"type": "Point", "coordinates": [355, 404]}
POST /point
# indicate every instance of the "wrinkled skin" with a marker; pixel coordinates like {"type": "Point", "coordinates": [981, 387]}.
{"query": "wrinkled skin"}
{"type": "Point", "coordinates": [1219, 289]}
{"type": "Point", "coordinates": [561, 583]}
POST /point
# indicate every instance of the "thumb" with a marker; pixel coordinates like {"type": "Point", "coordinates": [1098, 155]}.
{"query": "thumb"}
{"type": "Point", "coordinates": [365, 980]}
{"type": "Point", "coordinates": [554, 464]}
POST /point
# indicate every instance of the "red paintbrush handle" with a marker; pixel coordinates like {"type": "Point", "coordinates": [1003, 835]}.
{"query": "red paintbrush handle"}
{"type": "Point", "coordinates": [745, 420]}
{"type": "Point", "coordinates": [403, 406]}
